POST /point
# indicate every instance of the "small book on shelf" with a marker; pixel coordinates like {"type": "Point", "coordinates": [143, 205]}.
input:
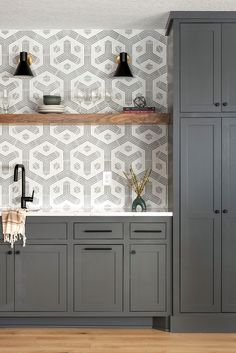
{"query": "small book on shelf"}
{"type": "Point", "coordinates": [138, 110]}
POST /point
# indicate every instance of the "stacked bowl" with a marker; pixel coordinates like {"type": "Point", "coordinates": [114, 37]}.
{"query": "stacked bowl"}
{"type": "Point", "coordinates": [52, 104]}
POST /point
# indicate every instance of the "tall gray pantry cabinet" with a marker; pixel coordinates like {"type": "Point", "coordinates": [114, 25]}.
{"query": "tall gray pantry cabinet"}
{"type": "Point", "coordinates": [202, 99]}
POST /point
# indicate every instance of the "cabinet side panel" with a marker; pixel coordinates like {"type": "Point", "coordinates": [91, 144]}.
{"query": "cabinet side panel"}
{"type": "Point", "coordinates": [229, 218]}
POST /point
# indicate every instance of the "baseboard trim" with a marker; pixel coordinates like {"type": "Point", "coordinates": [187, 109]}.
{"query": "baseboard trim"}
{"type": "Point", "coordinates": [77, 322]}
{"type": "Point", "coordinates": [161, 323]}
{"type": "Point", "coordinates": [203, 323]}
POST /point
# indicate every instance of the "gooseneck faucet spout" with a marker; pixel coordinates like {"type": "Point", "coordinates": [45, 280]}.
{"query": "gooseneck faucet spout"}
{"type": "Point", "coordinates": [24, 198]}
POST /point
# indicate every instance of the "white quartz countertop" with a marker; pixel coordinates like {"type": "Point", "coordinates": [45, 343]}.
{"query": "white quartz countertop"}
{"type": "Point", "coordinates": [102, 213]}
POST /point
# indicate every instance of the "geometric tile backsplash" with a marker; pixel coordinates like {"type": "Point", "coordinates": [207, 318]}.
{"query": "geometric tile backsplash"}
{"type": "Point", "coordinates": [65, 164]}
{"type": "Point", "coordinates": [69, 62]}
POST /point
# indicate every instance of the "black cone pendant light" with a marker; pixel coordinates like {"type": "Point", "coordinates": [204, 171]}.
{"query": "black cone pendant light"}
{"type": "Point", "coordinates": [123, 68]}
{"type": "Point", "coordinates": [23, 69]}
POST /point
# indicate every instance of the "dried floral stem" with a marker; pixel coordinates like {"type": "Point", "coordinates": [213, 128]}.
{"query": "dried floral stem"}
{"type": "Point", "coordinates": [138, 186]}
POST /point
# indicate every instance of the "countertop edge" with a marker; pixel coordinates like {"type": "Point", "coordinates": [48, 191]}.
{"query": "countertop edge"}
{"type": "Point", "coordinates": [97, 214]}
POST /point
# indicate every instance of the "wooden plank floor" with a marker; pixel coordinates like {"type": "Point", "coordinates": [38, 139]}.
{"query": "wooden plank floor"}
{"type": "Point", "coordinates": [90, 340]}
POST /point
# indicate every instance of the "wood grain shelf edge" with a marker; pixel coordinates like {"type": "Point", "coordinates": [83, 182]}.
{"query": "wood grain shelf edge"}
{"type": "Point", "coordinates": [83, 119]}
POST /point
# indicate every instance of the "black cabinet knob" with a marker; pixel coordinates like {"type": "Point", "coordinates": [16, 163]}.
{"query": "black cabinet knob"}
{"type": "Point", "coordinates": [217, 104]}
{"type": "Point", "coordinates": [225, 104]}
{"type": "Point", "coordinates": [17, 252]}
{"type": "Point", "coordinates": [225, 211]}
{"type": "Point", "coordinates": [132, 252]}
{"type": "Point", "coordinates": [217, 211]}
{"type": "Point", "coordinates": [9, 252]}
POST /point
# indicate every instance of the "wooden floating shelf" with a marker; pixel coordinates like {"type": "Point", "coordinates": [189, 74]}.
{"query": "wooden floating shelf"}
{"type": "Point", "coordinates": [86, 119]}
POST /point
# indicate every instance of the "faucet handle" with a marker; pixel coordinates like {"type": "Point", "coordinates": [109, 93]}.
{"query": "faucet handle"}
{"type": "Point", "coordinates": [29, 198]}
{"type": "Point", "coordinates": [32, 197]}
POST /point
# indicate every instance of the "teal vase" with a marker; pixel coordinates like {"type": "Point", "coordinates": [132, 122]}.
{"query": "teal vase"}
{"type": "Point", "coordinates": [139, 204]}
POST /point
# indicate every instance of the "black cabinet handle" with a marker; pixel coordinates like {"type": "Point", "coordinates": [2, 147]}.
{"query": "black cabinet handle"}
{"type": "Point", "coordinates": [225, 104]}
{"type": "Point", "coordinates": [217, 104]}
{"type": "Point", "coordinates": [147, 231]}
{"type": "Point", "coordinates": [217, 211]}
{"type": "Point", "coordinates": [225, 211]}
{"type": "Point", "coordinates": [132, 252]}
{"type": "Point", "coordinates": [9, 252]}
{"type": "Point", "coordinates": [97, 249]}
{"type": "Point", "coordinates": [97, 231]}
{"type": "Point", "coordinates": [17, 252]}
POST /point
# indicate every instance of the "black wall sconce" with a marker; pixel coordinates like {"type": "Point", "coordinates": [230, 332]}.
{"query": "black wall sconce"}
{"type": "Point", "coordinates": [23, 69]}
{"type": "Point", "coordinates": [123, 68]}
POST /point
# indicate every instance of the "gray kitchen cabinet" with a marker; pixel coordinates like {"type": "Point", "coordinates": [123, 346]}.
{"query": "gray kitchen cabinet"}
{"type": "Point", "coordinates": [229, 215]}
{"type": "Point", "coordinates": [154, 230]}
{"type": "Point", "coordinates": [98, 278]}
{"type": "Point", "coordinates": [40, 278]}
{"type": "Point", "coordinates": [207, 67]}
{"type": "Point", "coordinates": [65, 277]}
{"type": "Point", "coordinates": [202, 136]}
{"type": "Point", "coordinates": [6, 278]}
{"type": "Point", "coordinates": [200, 67]}
{"type": "Point", "coordinates": [200, 248]}
{"type": "Point", "coordinates": [228, 67]}
{"type": "Point", "coordinates": [47, 230]}
{"type": "Point", "coordinates": [98, 230]}
{"type": "Point", "coordinates": [33, 278]}
{"type": "Point", "coordinates": [148, 277]}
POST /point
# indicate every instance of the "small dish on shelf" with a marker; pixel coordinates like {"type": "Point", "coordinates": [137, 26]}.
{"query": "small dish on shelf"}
{"type": "Point", "coordinates": [46, 109]}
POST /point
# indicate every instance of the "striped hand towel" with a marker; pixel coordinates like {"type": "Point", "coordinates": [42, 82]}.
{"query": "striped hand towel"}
{"type": "Point", "coordinates": [13, 226]}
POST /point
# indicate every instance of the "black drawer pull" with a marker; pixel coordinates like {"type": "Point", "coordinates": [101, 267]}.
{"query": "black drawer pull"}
{"type": "Point", "coordinates": [98, 231]}
{"type": "Point", "coordinates": [9, 252]}
{"type": "Point", "coordinates": [97, 249]}
{"type": "Point", "coordinates": [132, 252]}
{"type": "Point", "coordinates": [17, 252]}
{"type": "Point", "coordinates": [225, 104]}
{"type": "Point", "coordinates": [148, 231]}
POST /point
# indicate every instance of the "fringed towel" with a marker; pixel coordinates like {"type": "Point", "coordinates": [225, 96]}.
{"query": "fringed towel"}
{"type": "Point", "coordinates": [13, 226]}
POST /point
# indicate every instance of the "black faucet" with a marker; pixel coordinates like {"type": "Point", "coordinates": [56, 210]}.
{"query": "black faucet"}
{"type": "Point", "coordinates": [24, 198]}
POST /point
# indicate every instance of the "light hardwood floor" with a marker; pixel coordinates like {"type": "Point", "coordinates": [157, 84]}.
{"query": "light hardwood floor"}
{"type": "Point", "coordinates": [113, 340]}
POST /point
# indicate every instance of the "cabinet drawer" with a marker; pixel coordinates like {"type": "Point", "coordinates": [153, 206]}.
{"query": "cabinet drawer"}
{"type": "Point", "coordinates": [46, 231]}
{"type": "Point", "coordinates": [98, 230]}
{"type": "Point", "coordinates": [147, 230]}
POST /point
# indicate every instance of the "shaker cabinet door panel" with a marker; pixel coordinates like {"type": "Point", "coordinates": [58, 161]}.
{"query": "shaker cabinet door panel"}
{"type": "Point", "coordinates": [40, 278]}
{"type": "Point", "coordinates": [200, 267]}
{"type": "Point", "coordinates": [148, 278]}
{"type": "Point", "coordinates": [6, 278]}
{"type": "Point", "coordinates": [98, 278]}
{"type": "Point", "coordinates": [200, 67]}
{"type": "Point", "coordinates": [229, 215]}
{"type": "Point", "coordinates": [228, 67]}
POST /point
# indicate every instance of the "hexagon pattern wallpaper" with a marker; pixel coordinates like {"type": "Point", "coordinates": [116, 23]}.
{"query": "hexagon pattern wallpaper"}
{"type": "Point", "coordinates": [65, 164]}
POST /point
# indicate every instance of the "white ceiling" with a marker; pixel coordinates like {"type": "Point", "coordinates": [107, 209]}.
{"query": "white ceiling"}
{"type": "Point", "coordinates": [66, 14]}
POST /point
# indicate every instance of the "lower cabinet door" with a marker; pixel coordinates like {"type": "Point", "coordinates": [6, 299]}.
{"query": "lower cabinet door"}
{"type": "Point", "coordinates": [40, 278]}
{"type": "Point", "coordinates": [98, 277]}
{"type": "Point", "coordinates": [148, 278]}
{"type": "Point", "coordinates": [6, 278]}
{"type": "Point", "coordinates": [200, 221]}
